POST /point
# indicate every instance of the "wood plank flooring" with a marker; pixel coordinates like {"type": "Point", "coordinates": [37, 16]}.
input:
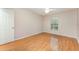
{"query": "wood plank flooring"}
{"type": "Point", "coordinates": [41, 42]}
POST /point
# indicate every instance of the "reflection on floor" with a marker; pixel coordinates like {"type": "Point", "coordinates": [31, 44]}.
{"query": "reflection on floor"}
{"type": "Point", "coordinates": [41, 42]}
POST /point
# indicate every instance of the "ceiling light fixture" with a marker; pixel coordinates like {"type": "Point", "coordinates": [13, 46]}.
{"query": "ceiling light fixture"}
{"type": "Point", "coordinates": [47, 10]}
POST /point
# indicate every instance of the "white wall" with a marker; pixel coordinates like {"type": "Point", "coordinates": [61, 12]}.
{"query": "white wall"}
{"type": "Point", "coordinates": [46, 23]}
{"type": "Point", "coordinates": [27, 23]}
{"type": "Point", "coordinates": [67, 23]}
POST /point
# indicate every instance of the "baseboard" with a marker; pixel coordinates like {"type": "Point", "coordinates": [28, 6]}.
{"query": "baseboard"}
{"type": "Point", "coordinates": [37, 34]}
{"type": "Point", "coordinates": [77, 38]}
{"type": "Point", "coordinates": [6, 42]}
{"type": "Point", "coordinates": [27, 36]}
{"type": "Point", "coordinates": [68, 36]}
{"type": "Point", "coordinates": [20, 38]}
{"type": "Point", "coordinates": [63, 35]}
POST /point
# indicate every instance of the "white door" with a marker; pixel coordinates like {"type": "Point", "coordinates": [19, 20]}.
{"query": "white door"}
{"type": "Point", "coordinates": [6, 26]}
{"type": "Point", "coordinates": [78, 24]}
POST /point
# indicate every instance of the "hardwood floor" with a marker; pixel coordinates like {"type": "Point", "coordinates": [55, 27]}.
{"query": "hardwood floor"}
{"type": "Point", "coordinates": [41, 42]}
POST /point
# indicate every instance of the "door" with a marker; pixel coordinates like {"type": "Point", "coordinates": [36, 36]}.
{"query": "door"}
{"type": "Point", "coordinates": [78, 24]}
{"type": "Point", "coordinates": [6, 25]}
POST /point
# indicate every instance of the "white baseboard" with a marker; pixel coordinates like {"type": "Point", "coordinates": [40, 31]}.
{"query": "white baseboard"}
{"type": "Point", "coordinates": [77, 38]}
{"type": "Point", "coordinates": [63, 35]}
{"type": "Point", "coordinates": [6, 42]}
{"type": "Point", "coordinates": [68, 36]}
{"type": "Point", "coordinates": [19, 38]}
{"type": "Point", "coordinates": [26, 36]}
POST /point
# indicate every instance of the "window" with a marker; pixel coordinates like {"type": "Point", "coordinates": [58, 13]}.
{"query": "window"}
{"type": "Point", "coordinates": [54, 24]}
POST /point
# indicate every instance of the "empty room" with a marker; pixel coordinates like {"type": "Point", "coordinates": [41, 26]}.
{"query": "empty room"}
{"type": "Point", "coordinates": [39, 29]}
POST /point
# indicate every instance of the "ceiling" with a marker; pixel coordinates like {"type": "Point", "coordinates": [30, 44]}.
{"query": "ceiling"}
{"type": "Point", "coordinates": [41, 11]}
